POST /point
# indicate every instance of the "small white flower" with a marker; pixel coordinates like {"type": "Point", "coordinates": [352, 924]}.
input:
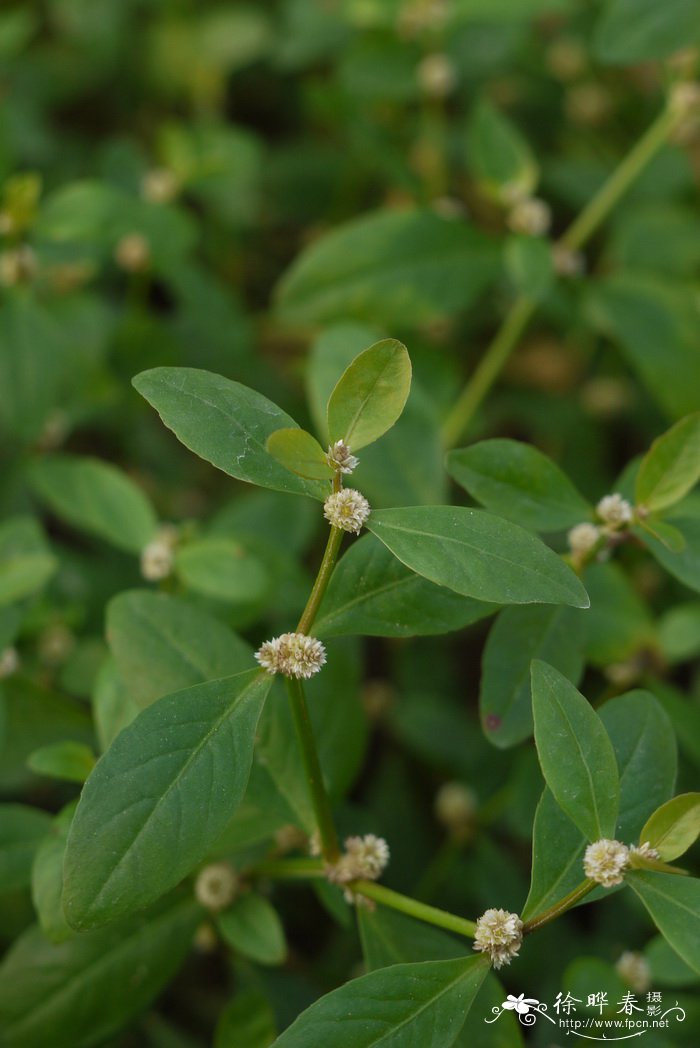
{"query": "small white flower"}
{"type": "Point", "coordinates": [500, 934]}
{"type": "Point", "coordinates": [293, 654]}
{"type": "Point", "coordinates": [365, 858]}
{"type": "Point", "coordinates": [437, 75]}
{"type": "Point", "coordinates": [347, 509]}
{"type": "Point", "coordinates": [133, 253]}
{"type": "Point", "coordinates": [340, 459]}
{"type": "Point", "coordinates": [684, 99]}
{"type": "Point", "coordinates": [530, 216]}
{"type": "Point", "coordinates": [583, 538]}
{"type": "Point", "coordinates": [9, 662]}
{"type": "Point", "coordinates": [614, 510]}
{"type": "Point", "coordinates": [157, 558]}
{"type": "Point", "coordinates": [315, 844]}
{"type": "Point", "coordinates": [634, 969]}
{"type": "Point", "coordinates": [216, 886]}
{"type": "Point", "coordinates": [643, 851]}
{"type": "Point", "coordinates": [17, 265]}
{"type": "Point", "coordinates": [455, 807]}
{"type": "Point", "coordinates": [605, 862]}
{"type": "Point", "coordinates": [159, 186]}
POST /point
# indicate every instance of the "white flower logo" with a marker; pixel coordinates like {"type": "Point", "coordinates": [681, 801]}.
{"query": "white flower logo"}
{"type": "Point", "coordinates": [520, 1004]}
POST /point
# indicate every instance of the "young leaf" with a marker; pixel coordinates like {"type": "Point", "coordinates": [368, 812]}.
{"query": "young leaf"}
{"type": "Point", "coordinates": [225, 423]}
{"type": "Point", "coordinates": [419, 1005]}
{"type": "Point", "coordinates": [518, 482]}
{"type": "Point", "coordinates": [664, 532]}
{"type": "Point", "coordinates": [476, 554]}
{"type": "Point", "coordinates": [252, 927]}
{"type": "Point", "coordinates": [370, 394]}
{"type": "Point", "coordinates": [673, 827]}
{"type": "Point", "coordinates": [300, 453]}
{"type": "Point", "coordinates": [329, 355]}
{"type": "Point", "coordinates": [162, 644]}
{"type": "Point", "coordinates": [21, 830]}
{"type": "Point", "coordinates": [673, 904]}
{"type": "Point", "coordinates": [518, 636]}
{"type": "Point", "coordinates": [684, 564]}
{"type": "Point", "coordinates": [575, 752]}
{"type": "Point", "coordinates": [374, 594]}
{"type": "Point", "coordinates": [80, 991]}
{"type": "Point", "coordinates": [159, 797]}
{"type": "Point", "coordinates": [671, 467]}
{"type": "Point", "coordinates": [96, 497]}
{"type": "Point", "coordinates": [389, 267]}
{"type": "Point", "coordinates": [499, 157]}
{"type": "Point", "coordinates": [72, 761]}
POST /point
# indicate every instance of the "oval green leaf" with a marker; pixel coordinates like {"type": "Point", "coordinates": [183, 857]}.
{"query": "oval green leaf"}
{"type": "Point", "coordinates": [95, 496]}
{"type": "Point", "coordinates": [671, 467]}
{"type": "Point", "coordinates": [159, 797]}
{"type": "Point", "coordinates": [300, 453]}
{"type": "Point", "coordinates": [673, 903]}
{"type": "Point", "coordinates": [252, 927]}
{"type": "Point", "coordinates": [222, 568]}
{"type": "Point", "coordinates": [518, 482]}
{"type": "Point", "coordinates": [575, 753]}
{"type": "Point", "coordinates": [673, 827]}
{"type": "Point", "coordinates": [499, 157]}
{"type": "Point", "coordinates": [370, 394]}
{"type": "Point", "coordinates": [224, 423]}
{"type": "Point", "coordinates": [72, 761]}
{"type": "Point", "coordinates": [420, 1005]}
{"type": "Point", "coordinates": [477, 554]}
{"type": "Point", "coordinates": [21, 830]}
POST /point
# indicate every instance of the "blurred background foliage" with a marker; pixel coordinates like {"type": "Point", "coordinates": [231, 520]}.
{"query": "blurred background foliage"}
{"type": "Point", "coordinates": [164, 164]}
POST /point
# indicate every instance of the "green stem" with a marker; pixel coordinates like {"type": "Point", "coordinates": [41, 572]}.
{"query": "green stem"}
{"type": "Point", "coordinates": [412, 908]}
{"type": "Point", "coordinates": [283, 869]}
{"type": "Point", "coordinates": [559, 907]}
{"type": "Point", "coordinates": [312, 767]}
{"type": "Point", "coordinates": [578, 233]}
{"type": "Point", "coordinates": [322, 579]}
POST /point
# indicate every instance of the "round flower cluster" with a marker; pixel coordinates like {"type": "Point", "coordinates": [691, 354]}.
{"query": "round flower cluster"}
{"type": "Point", "coordinates": [347, 509]}
{"type": "Point", "coordinates": [437, 75]}
{"type": "Point", "coordinates": [500, 934]}
{"type": "Point", "coordinates": [340, 459]}
{"type": "Point", "coordinates": [293, 654]}
{"type": "Point", "coordinates": [158, 556]}
{"type": "Point", "coordinates": [530, 216]}
{"type": "Point", "coordinates": [365, 858]}
{"type": "Point", "coordinates": [9, 662]}
{"type": "Point", "coordinates": [605, 862]}
{"type": "Point", "coordinates": [455, 808]}
{"type": "Point", "coordinates": [634, 969]}
{"type": "Point", "coordinates": [643, 851]}
{"type": "Point", "coordinates": [583, 539]}
{"type": "Point", "coordinates": [614, 510]}
{"type": "Point", "coordinates": [216, 886]}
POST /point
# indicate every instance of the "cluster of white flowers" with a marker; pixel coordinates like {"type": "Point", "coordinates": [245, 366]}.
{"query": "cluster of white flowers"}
{"type": "Point", "coordinates": [159, 186]}
{"type": "Point", "coordinates": [614, 510]}
{"type": "Point", "coordinates": [364, 859]}
{"type": "Point", "coordinates": [437, 75]}
{"type": "Point", "coordinates": [347, 509]}
{"type": "Point", "coordinates": [293, 654]}
{"type": "Point", "coordinates": [500, 934]}
{"type": "Point", "coordinates": [158, 556]}
{"type": "Point", "coordinates": [643, 851]}
{"type": "Point", "coordinates": [530, 216]}
{"type": "Point", "coordinates": [634, 969]}
{"type": "Point", "coordinates": [216, 886]}
{"type": "Point", "coordinates": [9, 662]}
{"type": "Point", "coordinates": [133, 253]}
{"type": "Point", "coordinates": [340, 458]}
{"type": "Point", "coordinates": [583, 538]}
{"type": "Point", "coordinates": [605, 862]}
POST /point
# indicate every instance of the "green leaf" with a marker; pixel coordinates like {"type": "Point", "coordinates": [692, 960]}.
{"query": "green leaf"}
{"type": "Point", "coordinates": [557, 857]}
{"type": "Point", "coordinates": [684, 564]}
{"type": "Point", "coordinates": [673, 827]}
{"type": "Point", "coordinates": [671, 467]}
{"type": "Point", "coordinates": [679, 632]}
{"type": "Point", "coordinates": [518, 482]}
{"type": "Point", "coordinates": [47, 877]}
{"type": "Point", "coordinates": [159, 797]}
{"type": "Point", "coordinates": [477, 554]}
{"type": "Point", "coordinates": [222, 568]}
{"type": "Point", "coordinates": [373, 594]}
{"type": "Point", "coordinates": [252, 927]}
{"type": "Point", "coordinates": [162, 644]}
{"type": "Point", "coordinates": [618, 623]}
{"type": "Point", "coordinates": [330, 354]}
{"type": "Point", "coordinates": [645, 748]}
{"type": "Point", "coordinates": [529, 265]}
{"type": "Point", "coordinates": [405, 1006]}
{"type": "Point", "coordinates": [667, 968]}
{"type": "Point", "coordinates": [500, 158]}
{"type": "Point", "coordinates": [96, 497]}
{"type": "Point", "coordinates": [72, 761]}
{"type": "Point", "coordinates": [389, 267]}
{"type": "Point", "coordinates": [575, 752]}
{"type": "Point", "coordinates": [666, 534]}
{"type": "Point", "coordinates": [300, 453]}
{"type": "Point", "coordinates": [78, 992]}
{"type": "Point", "coordinates": [518, 636]}
{"type": "Point", "coordinates": [673, 904]}
{"type": "Point", "coordinates": [113, 706]}
{"type": "Point", "coordinates": [225, 423]}
{"type": "Point", "coordinates": [370, 394]}
{"type": "Point", "coordinates": [21, 830]}
{"type": "Point", "coordinates": [248, 1020]}
{"type": "Point", "coordinates": [631, 31]}
{"type": "Point", "coordinates": [26, 564]}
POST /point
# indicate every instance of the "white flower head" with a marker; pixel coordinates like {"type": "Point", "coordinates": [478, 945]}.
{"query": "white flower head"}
{"type": "Point", "coordinates": [530, 216]}
{"type": "Point", "coordinates": [643, 851]}
{"type": "Point", "coordinates": [684, 99]}
{"type": "Point", "coordinates": [365, 858]}
{"type": "Point", "coordinates": [455, 807]}
{"type": "Point", "coordinates": [634, 969]}
{"type": "Point", "coordinates": [133, 253]}
{"type": "Point", "coordinates": [347, 509]}
{"type": "Point", "coordinates": [437, 75]}
{"type": "Point", "coordinates": [340, 459]}
{"type": "Point", "coordinates": [500, 934]}
{"type": "Point", "coordinates": [614, 510]}
{"type": "Point", "coordinates": [216, 886]}
{"type": "Point", "coordinates": [293, 654]}
{"type": "Point", "coordinates": [158, 557]}
{"type": "Point", "coordinates": [9, 662]}
{"type": "Point", "coordinates": [605, 862]}
{"type": "Point", "coordinates": [583, 538]}
{"type": "Point", "coordinates": [159, 186]}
